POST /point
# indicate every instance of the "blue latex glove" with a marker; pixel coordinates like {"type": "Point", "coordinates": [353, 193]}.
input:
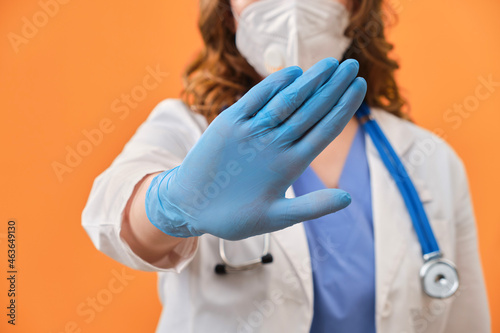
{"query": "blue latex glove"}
{"type": "Point", "coordinates": [232, 183]}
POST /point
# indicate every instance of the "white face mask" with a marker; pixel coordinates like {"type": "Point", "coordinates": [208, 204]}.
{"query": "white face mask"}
{"type": "Point", "coordinates": [273, 34]}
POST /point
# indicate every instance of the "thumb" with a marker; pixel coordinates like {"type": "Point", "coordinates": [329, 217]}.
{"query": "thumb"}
{"type": "Point", "coordinates": [287, 212]}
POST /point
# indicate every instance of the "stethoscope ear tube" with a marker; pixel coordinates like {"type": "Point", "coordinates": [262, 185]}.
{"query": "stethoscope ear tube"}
{"type": "Point", "coordinates": [439, 276]}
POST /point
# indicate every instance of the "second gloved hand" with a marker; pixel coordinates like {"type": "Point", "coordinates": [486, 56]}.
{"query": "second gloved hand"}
{"type": "Point", "coordinates": [232, 183]}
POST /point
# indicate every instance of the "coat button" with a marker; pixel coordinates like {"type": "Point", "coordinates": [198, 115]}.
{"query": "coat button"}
{"type": "Point", "coordinates": [387, 310]}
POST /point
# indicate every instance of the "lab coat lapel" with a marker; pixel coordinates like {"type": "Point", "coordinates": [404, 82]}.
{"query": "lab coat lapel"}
{"type": "Point", "coordinates": [393, 229]}
{"type": "Point", "coordinates": [390, 224]}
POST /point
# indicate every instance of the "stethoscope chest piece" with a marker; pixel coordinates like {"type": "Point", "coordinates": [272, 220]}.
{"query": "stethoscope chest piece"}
{"type": "Point", "coordinates": [439, 278]}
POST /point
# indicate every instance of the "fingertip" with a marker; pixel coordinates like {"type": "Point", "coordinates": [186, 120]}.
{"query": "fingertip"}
{"type": "Point", "coordinates": [291, 72]}
{"type": "Point", "coordinates": [346, 198]}
{"type": "Point", "coordinates": [295, 70]}
{"type": "Point", "coordinates": [352, 62]}
{"type": "Point", "coordinates": [331, 62]}
{"type": "Point", "coordinates": [351, 66]}
{"type": "Point", "coordinates": [284, 77]}
{"type": "Point", "coordinates": [360, 86]}
{"type": "Point", "coordinates": [326, 65]}
{"type": "Point", "coordinates": [361, 82]}
{"type": "Point", "coordinates": [342, 199]}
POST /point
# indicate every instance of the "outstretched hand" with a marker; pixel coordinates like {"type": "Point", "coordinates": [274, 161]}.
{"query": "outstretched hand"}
{"type": "Point", "coordinates": [232, 183]}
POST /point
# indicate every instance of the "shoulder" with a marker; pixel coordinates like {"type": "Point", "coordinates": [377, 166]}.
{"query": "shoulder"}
{"type": "Point", "coordinates": [422, 144]}
{"type": "Point", "coordinates": [175, 112]}
{"type": "Point", "coordinates": [428, 158]}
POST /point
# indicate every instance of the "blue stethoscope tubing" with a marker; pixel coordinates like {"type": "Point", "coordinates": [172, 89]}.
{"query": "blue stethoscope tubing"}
{"type": "Point", "coordinates": [403, 181]}
{"type": "Point", "coordinates": [439, 276]}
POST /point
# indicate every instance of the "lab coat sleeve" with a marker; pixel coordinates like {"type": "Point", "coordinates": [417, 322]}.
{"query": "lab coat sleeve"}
{"type": "Point", "coordinates": [159, 144]}
{"type": "Point", "coordinates": [469, 310]}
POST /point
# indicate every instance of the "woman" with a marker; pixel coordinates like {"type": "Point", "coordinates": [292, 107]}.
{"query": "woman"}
{"type": "Point", "coordinates": [219, 164]}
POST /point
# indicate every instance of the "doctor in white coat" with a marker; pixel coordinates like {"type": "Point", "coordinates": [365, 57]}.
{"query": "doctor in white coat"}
{"type": "Point", "coordinates": [136, 220]}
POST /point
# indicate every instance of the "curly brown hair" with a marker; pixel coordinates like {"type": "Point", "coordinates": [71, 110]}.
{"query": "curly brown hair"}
{"type": "Point", "coordinates": [220, 75]}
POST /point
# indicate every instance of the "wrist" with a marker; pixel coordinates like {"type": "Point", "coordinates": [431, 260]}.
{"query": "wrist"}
{"type": "Point", "coordinates": [164, 206]}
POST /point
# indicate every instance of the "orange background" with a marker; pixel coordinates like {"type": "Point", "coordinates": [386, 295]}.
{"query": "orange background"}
{"type": "Point", "coordinates": [65, 77]}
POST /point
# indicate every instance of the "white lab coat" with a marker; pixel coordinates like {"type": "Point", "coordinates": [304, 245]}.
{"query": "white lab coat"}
{"type": "Point", "coordinates": [279, 296]}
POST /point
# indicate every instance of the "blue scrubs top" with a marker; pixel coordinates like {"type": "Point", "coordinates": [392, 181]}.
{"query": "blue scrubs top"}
{"type": "Point", "coordinates": [342, 250]}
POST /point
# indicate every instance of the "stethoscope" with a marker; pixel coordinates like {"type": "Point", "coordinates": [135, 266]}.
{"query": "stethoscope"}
{"type": "Point", "coordinates": [438, 276]}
